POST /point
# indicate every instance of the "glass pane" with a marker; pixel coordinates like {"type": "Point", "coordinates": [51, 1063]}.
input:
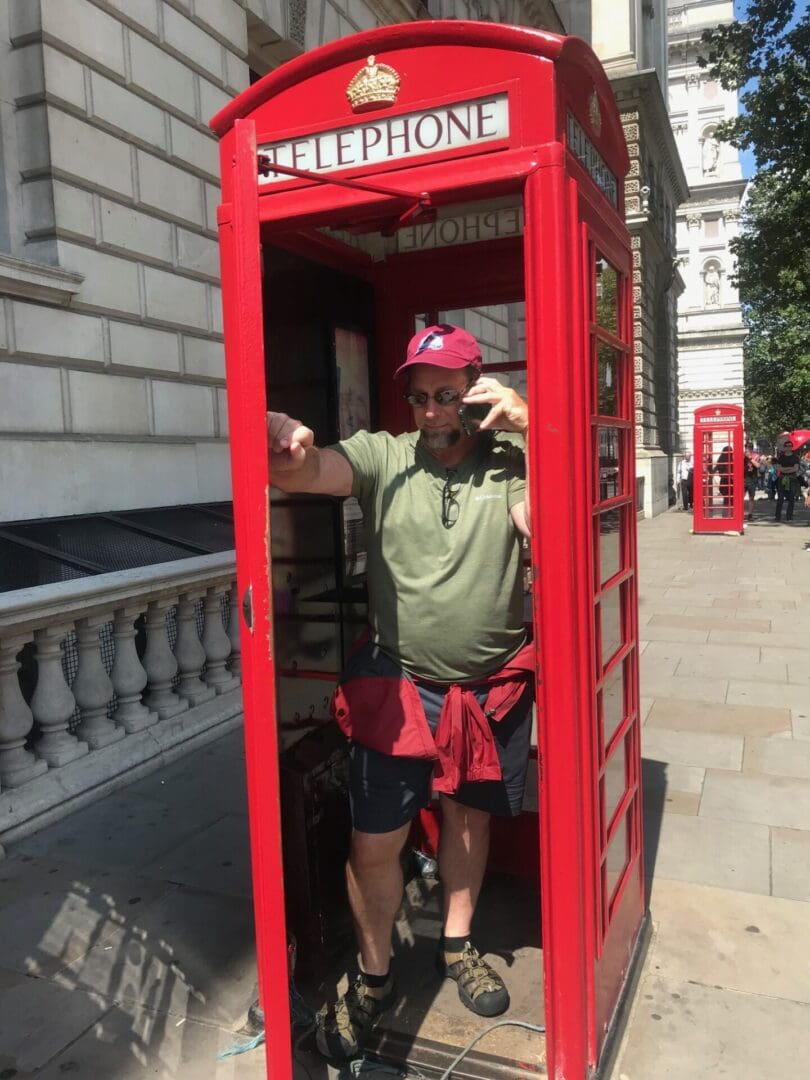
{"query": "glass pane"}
{"type": "Point", "coordinates": [500, 330]}
{"type": "Point", "coordinates": [606, 288]}
{"type": "Point", "coordinates": [616, 858]}
{"type": "Point", "coordinates": [615, 780]}
{"type": "Point", "coordinates": [610, 537]}
{"type": "Point", "coordinates": [610, 623]}
{"type": "Point", "coordinates": [607, 379]}
{"type": "Point", "coordinates": [722, 469]}
{"type": "Point", "coordinates": [608, 450]}
{"type": "Point", "coordinates": [612, 703]}
{"type": "Point", "coordinates": [302, 530]}
{"type": "Point", "coordinates": [308, 646]}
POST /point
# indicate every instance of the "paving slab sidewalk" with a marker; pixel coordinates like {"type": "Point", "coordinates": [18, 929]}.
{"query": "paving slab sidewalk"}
{"type": "Point", "coordinates": [725, 987]}
{"type": "Point", "coordinates": [126, 937]}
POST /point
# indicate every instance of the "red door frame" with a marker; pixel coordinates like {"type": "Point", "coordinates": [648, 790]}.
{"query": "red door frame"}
{"type": "Point", "coordinates": [559, 196]}
{"type": "Point", "coordinates": [243, 311]}
{"type": "Point", "coordinates": [716, 513]}
{"type": "Point", "coordinates": [618, 911]}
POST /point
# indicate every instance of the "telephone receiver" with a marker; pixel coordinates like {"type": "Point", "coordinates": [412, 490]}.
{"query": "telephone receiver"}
{"type": "Point", "coordinates": [472, 415]}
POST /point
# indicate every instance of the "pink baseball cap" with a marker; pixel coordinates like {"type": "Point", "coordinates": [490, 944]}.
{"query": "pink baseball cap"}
{"type": "Point", "coordinates": [443, 346]}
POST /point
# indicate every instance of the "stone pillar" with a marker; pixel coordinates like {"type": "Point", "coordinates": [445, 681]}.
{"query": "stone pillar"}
{"type": "Point", "coordinates": [160, 664]}
{"type": "Point", "coordinates": [189, 653]}
{"type": "Point", "coordinates": [17, 765]}
{"type": "Point", "coordinates": [216, 642]}
{"type": "Point", "coordinates": [235, 662]}
{"type": "Point", "coordinates": [128, 675]}
{"type": "Point", "coordinates": [52, 703]}
{"type": "Point", "coordinates": [92, 687]}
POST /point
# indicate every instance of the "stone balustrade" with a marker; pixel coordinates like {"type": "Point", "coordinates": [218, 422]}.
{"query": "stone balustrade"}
{"type": "Point", "coordinates": [106, 678]}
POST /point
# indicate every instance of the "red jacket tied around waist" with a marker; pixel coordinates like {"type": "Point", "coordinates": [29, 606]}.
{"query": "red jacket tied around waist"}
{"type": "Point", "coordinates": [377, 704]}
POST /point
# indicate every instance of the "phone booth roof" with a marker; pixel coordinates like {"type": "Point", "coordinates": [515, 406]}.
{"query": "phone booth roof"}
{"type": "Point", "coordinates": [443, 107]}
{"type": "Point", "coordinates": [720, 416]}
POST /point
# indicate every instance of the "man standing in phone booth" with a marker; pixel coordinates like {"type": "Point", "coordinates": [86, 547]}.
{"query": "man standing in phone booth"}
{"type": "Point", "coordinates": [441, 693]}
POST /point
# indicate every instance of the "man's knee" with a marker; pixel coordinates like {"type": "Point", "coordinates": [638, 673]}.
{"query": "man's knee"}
{"type": "Point", "coordinates": [371, 851]}
{"type": "Point", "coordinates": [458, 818]}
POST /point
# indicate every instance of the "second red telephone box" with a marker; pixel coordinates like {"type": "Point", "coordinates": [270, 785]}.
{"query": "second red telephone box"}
{"type": "Point", "coordinates": [458, 172]}
{"type": "Point", "coordinates": [718, 475]}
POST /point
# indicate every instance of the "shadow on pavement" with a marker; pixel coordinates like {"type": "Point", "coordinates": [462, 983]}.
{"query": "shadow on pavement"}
{"type": "Point", "coordinates": [654, 789]}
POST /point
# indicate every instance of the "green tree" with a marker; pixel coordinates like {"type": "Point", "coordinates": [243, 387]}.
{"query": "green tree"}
{"type": "Point", "coordinates": [777, 368]}
{"type": "Point", "coordinates": [765, 58]}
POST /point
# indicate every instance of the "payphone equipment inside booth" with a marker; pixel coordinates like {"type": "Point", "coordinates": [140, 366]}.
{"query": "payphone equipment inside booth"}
{"type": "Point", "coordinates": [718, 491]}
{"type": "Point", "coordinates": [407, 171]}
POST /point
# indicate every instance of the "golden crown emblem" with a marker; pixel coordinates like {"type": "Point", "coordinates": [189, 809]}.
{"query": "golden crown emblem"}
{"type": "Point", "coordinates": [373, 87]}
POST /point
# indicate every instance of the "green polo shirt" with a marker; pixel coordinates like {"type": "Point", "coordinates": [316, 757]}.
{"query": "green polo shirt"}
{"type": "Point", "coordinates": [445, 603]}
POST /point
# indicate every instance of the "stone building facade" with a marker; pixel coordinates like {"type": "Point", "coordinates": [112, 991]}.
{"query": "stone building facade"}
{"type": "Point", "coordinates": [113, 362]}
{"type": "Point", "coordinates": [112, 392]}
{"type": "Point", "coordinates": [710, 326]}
{"type": "Point", "coordinates": [633, 50]}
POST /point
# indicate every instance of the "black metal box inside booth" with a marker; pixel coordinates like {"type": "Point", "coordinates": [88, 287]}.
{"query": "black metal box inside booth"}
{"type": "Point", "coordinates": [316, 828]}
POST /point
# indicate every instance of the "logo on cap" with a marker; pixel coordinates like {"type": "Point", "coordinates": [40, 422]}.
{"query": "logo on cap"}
{"type": "Point", "coordinates": [454, 346]}
{"type": "Point", "coordinates": [432, 341]}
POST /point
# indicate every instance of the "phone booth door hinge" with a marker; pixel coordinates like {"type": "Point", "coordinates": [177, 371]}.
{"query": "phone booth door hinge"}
{"type": "Point", "coordinates": [247, 607]}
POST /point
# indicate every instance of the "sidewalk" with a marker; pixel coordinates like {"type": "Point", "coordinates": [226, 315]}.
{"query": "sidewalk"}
{"type": "Point", "coordinates": [725, 683]}
{"type": "Point", "coordinates": [126, 941]}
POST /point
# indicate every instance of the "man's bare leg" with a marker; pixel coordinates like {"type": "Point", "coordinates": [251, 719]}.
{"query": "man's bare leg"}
{"type": "Point", "coordinates": [463, 852]}
{"type": "Point", "coordinates": [374, 880]}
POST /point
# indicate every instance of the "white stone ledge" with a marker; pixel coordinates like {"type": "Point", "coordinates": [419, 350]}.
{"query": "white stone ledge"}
{"type": "Point", "coordinates": [37, 281]}
{"type": "Point", "coordinates": [24, 610]}
{"type": "Point", "coordinates": [111, 438]}
{"type": "Point", "coordinates": [60, 792]}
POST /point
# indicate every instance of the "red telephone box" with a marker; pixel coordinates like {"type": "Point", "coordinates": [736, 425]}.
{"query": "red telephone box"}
{"type": "Point", "coordinates": [471, 166]}
{"type": "Point", "coordinates": [718, 474]}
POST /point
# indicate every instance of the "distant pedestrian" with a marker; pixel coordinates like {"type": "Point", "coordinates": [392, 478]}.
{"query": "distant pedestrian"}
{"type": "Point", "coordinates": [770, 478]}
{"type": "Point", "coordinates": [787, 481]}
{"type": "Point", "coordinates": [685, 476]}
{"type": "Point", "coordinates": [750, 473]}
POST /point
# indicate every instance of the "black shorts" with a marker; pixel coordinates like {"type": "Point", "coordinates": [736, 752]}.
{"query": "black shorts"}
{"type": "Point", "coordinates": [387, 792]}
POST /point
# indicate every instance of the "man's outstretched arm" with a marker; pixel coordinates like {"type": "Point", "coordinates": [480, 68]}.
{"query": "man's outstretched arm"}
{"type": "Point", "coordinates": [297, 464]}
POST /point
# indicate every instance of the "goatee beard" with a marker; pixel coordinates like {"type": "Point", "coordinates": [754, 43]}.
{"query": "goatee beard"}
{"type": "Point", "coordinates": [438, 440]}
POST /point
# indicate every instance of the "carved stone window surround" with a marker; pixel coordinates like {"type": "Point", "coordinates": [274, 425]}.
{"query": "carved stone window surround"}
{"type": "Point", "coordinates": [38, 281]}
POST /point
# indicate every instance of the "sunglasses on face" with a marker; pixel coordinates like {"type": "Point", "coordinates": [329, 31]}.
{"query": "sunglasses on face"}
{"type": "Point", "coordinates": [444, 397]}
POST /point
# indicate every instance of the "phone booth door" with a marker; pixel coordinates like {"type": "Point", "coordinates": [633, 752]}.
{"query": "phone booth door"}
{"type": "Point", "coordinates": [324, 280]}
{"type": "Point", "coordinates": [718, 473]}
